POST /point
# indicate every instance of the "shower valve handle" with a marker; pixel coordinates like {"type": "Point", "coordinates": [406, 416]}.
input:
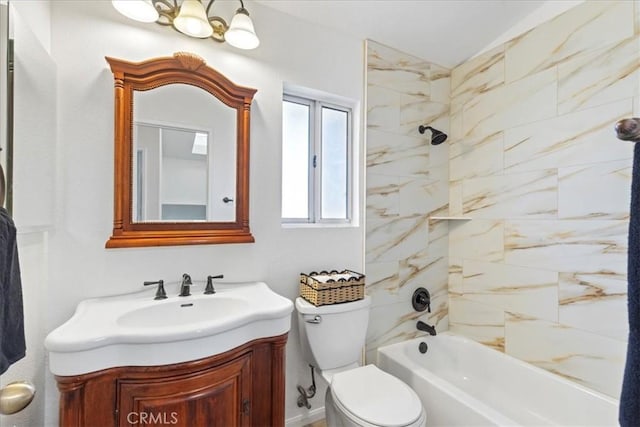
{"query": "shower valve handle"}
{"type": "Point", "coordinates": [421, 300]}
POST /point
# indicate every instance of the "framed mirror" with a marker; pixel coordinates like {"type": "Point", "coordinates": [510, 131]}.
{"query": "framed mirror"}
{"type": "Point", "coordinates": [181, 173]}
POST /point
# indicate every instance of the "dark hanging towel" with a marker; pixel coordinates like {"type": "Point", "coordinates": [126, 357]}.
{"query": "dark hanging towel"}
{"type": "Point", "coordinates": [630, 398]}
{"type": "Point", "coordinates": [12, 342]}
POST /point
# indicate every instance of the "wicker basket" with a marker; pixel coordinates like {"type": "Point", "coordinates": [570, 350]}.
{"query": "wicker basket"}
{"type": "Point", "coordinates": [332, 287]}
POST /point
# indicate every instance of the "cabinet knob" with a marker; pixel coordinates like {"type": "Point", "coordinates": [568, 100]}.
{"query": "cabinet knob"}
{"type": "Point", "coordinates": [246, 407]}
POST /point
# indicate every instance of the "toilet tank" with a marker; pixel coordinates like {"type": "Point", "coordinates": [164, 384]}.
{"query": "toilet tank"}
{"type": "Point", "coordinates": [332, 336]}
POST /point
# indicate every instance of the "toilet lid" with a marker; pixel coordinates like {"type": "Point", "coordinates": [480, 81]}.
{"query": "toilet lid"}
{"type": "Point", "coordinates": [376, 397]}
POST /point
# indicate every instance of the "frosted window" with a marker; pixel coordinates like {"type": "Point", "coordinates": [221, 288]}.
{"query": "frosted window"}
{"type": "Point", "coordinates": [316, 161]}
{"type": "Point", "coordinates": [295, 160]}
{"type": "Point", "coordinates": [334, 163]}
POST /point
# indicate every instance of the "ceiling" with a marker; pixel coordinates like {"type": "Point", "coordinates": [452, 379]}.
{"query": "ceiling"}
{"type": "Point", "coordinates": [446, 32]}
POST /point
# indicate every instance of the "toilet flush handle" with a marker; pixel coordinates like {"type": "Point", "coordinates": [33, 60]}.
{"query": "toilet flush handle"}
{"type": "Point", "coordinates": [315, 320]}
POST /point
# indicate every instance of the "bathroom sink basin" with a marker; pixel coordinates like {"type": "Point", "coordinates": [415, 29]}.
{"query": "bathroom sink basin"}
{"type": "Point", "coordinates": [178, 312]}
{"type": "Point", "coordinates": [136, 330]}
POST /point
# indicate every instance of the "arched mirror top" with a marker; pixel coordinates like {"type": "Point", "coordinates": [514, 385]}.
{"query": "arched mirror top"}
{"type": "Point", "coordinates": [181, 172]}
{"type": "Point", "coordinates": [182, 67]}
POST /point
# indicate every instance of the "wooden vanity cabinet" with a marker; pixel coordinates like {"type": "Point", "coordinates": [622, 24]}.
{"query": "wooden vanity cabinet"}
{"type": "Point", "coordinates": [242, 387]}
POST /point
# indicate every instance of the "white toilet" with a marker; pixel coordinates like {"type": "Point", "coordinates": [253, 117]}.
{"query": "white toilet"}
{"type": "Point", "coordinates": [332, 338]}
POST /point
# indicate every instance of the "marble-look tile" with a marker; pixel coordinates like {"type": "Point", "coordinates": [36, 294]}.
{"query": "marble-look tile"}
{"type": "Point", "coordinates": [600, 190]}
{"type": "Point", "coordinates": [422, 196]}
{"type": "Point", "coordinates": [439, 154]}
{"type": "Point", "coordinates": [477, 321]}
{"type": "Point", "coordinates": [480, 240]}
{"type": "Point", "coordinates": [479, 156]}
{"type": "Point", "coordinates": [439, 234]}
{"type": "Point", "coordinates": [395, 282]}
{"type": "Point", "coordinates": [427, 271]}
{"type": "Point", "coordinates": [396, 155]}
{"type": "Point", "coordinates": [416, 111]}
{"type": "Point", "coordinates": [522, 195]}
{"type": "Point", "coordinates": [394, 323]}
{"type": "Point", "coordinates": [383, 194]}
{"type": "Point", "coordinates": [477, 75]}
{"type": "Point", "coordinates": [390, 68]}
{"type": "Point", "coordinates": [599, 77]}
{"type": "Point", "coordinates": [590, 25]}
{"type": "Point", "coordinates": [383, 108]}
{"type": "Point", "coordinates": [455, 198]}
{"type": "Point", "coordinates": [573, 139]}
{"type": "Point", "coordinates": [525, 101]}
{"type": "Point", "coordinates": [395, 239]}
{"type": "Point", "coordinates": [592, 360]}
{"type": "Point", "coordinates": [407, 180]}
{"type": "Point", "coordinates": [595, 247]}
{"type": "Point", "coordinates": [456, 128]}
{"type": "Point", "coordinates": [428, 268]}
{"type": "Point", "coordinates": [594, 302]}
{"type": "Point", "coordinates": [636, 8]}
{"type": "Point", "coordinates": [440, 79]}
{"type": "Point", "coordinates": [455, 275]}
{"type": "Point", "coordinates": [527, 291]}
{"type": "Point", "coordinates": [382, 281]}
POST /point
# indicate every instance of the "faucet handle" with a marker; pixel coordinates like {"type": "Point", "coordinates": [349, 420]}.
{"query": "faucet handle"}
{"type": "Point", "coordinates": [209, 288]}
{"type": "Point", "coordinates": [160, 292]}
{"type": "Point", "coordinates": [421, 300]}
{"type": "Point", "coordinates": [186, 279]}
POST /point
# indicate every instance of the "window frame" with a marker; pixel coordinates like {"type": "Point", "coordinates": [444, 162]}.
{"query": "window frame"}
{"type": "Point", "coordinates": [316, 104]}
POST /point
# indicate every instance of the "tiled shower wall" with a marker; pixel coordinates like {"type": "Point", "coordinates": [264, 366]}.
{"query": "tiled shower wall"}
{"type": "Point", "coordinates": [539, 271]}
{"type": "Point", "coordinates": [407, 182]}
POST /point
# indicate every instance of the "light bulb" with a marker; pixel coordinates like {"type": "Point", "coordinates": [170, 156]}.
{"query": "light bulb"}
{"type": "Point", "coordinates": [241, 33]}
{"type": "Point", "coordinates": [192, 20]}
{"type": "Point", "coordinates": [139, 10]}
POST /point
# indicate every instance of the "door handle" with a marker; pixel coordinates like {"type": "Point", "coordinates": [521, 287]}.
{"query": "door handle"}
{"type": "Point", "coordinates": [16, 396]}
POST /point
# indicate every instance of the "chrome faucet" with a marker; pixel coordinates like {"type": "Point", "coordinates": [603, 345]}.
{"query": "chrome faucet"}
{"type": "Point", "coordinates": [185, 291]}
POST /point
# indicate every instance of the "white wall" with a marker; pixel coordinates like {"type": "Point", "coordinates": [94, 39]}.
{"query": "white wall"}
{"type": "Point", "coordinates": [83, 32]}
{"type": "Point", "coordinates": [33, 204]}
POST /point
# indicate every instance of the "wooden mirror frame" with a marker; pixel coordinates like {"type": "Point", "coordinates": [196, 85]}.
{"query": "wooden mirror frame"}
{"type": "Point", "coordinates": [185, 68]}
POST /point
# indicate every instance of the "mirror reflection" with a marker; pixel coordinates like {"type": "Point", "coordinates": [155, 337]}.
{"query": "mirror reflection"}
{"type": "Point", "coordinates": [184, 156]}
{"type": "Point", "coordinates": [181, 145]}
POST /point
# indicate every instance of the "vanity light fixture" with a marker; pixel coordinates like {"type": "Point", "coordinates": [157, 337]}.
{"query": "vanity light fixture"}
{"type": "Point", "coordinates": [138, 10]}
{"type": "Point", "coordinates": [191, 18]}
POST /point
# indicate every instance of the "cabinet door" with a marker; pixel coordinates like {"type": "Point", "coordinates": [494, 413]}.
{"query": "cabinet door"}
{"type": "Point", "coordinates": [214, 397]}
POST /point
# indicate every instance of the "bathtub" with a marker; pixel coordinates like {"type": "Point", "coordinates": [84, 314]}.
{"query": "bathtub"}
{"type": "Point", "coordinates": [464, 383]}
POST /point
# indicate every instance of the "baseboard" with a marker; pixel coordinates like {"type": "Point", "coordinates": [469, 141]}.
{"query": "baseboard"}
{"type": "Point", "coordinates": [304, 419]}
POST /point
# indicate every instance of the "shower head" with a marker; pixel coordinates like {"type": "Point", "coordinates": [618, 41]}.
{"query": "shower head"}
{"type": "Point", "coordinates": [437, 137]}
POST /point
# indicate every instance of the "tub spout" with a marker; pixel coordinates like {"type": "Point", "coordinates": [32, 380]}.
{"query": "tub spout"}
{"type": "Point", "coordinates": [427, 328]}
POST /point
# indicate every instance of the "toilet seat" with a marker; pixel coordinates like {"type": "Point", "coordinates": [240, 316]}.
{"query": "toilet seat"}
{"type": "Point", "coordinates": [372, 397]}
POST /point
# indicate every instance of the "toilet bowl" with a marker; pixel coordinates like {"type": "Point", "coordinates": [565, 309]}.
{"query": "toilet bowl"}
{"type": "Point", "coordinates": [368, 396]}
{"type": "Point", "coordinates": [332, 338]}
